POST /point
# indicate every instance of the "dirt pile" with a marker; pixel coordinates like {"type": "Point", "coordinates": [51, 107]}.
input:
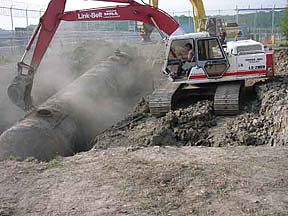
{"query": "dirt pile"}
{"type": "Point", "coordinates": [281, 63]}
{"type": "Point", "coordinates": [246, 129]}
{"type": "Point", "coordinates": [190, 125]}
{"type": "Point", "coordinates": [187, 126]}
{"type": "Point", "coordinates": [273, 95]}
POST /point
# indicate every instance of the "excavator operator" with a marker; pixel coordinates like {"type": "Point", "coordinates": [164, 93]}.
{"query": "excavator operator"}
{"type": "Point", "coordinates": [190, 53]}
{"type": "Point", "coordinates": [187, 59]}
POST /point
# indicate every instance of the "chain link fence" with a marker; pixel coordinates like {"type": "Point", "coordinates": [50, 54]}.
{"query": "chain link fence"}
{"type": "Point", "coordinates": [18, 21]}
{"type": "Point", "coordinates": [261, 24]}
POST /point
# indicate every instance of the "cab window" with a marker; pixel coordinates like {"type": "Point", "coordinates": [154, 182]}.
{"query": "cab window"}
{"type": "Point", "coordinates": [178, 48]}
{"type": "Point", "coordinates": [181, 51]}
{"type": "Point", "coordinates": [209, 49]}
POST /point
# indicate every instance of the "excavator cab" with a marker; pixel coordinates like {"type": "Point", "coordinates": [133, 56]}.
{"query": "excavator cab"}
{"type": "Point", "coordinates": [208, 59]}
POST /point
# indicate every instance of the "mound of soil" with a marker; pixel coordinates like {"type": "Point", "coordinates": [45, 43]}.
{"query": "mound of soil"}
{"type": "Point", "coordinates": [280, 59]}
{"type": "Point", "coordinates": [274, 106]}
{"type": "Point", "coordinates": [188, 126]}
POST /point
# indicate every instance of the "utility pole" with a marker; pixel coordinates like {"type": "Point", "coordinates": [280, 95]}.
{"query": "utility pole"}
{"type": "Point", "coordinates": [272, 30]}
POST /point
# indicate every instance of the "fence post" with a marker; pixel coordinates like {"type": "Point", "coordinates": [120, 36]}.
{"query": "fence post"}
{"type": "Point", "coordinates": [237, 14]}
{"type": "Point", "coordinates": [272, 30]}
{"type": "Point", "coordinates": [27, 23]}
{"type": "Point", "coordinates": [12, 28]}
{"type": "Point", "coordinates": [189, 19]}
{"type": "Point", "coordinates": [255, 24]}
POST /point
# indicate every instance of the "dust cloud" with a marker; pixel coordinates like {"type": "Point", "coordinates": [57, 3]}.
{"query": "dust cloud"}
{"type": "Point", "coordinates": [62, 64]}
{"type": "Point", "coordinates": [53, 74]}
{"type": "Point", "coordinates": [9, 113]}
{"type": "Point", "coordinates": [117, 84]}
{"type": "Point", "coordinates": [96, 82]}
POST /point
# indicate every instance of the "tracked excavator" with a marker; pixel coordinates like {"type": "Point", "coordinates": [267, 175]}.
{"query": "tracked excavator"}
{"type": "Point", "coordinates": [210, 69]}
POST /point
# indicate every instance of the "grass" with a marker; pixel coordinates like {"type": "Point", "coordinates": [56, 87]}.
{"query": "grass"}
{"type": "Point", "coordinates": [14, 158]}
{"type": "Point", "coordinates": [55, 163]}
{"type": "Point", "coordinates": [282, 43]}
{"type": "Point", "coordinates": [30, 159]}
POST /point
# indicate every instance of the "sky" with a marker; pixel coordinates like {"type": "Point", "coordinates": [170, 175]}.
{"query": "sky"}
{"type": "Point", "coordinates": [169, 5]}
{"type": "Point", "coordinates": [172, 6]}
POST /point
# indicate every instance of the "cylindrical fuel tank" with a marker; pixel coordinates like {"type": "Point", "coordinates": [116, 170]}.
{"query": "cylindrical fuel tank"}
{"type": "Point", "coordinates": [66, 122]}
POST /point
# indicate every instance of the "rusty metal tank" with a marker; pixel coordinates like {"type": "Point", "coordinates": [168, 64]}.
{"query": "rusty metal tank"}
{"type": "Point", "coordinates": [66, 122]}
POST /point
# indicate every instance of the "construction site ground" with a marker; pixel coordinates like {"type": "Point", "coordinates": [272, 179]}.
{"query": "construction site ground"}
{"type": "Point", "coordinates": [189, 162]}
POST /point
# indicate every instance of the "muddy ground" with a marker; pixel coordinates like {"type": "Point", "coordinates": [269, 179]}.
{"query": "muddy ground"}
{"type": "Point", "coordinates": [168, 166]}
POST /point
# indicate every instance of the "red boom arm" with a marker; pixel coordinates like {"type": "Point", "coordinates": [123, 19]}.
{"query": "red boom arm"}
{"type": "Point", "coordinates": [20, 90]}
{"type": "Point", "coordinates": [132, 11]}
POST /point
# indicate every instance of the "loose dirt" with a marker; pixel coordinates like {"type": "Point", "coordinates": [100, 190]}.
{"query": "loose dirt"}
{"type": "Point", "coordinates": [150, 181]}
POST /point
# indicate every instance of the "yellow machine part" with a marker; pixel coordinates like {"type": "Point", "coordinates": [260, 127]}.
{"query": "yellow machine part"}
{"type": "Point", "coordinates": [154, 3]}
{"type": "Point", "coordinates": [199, 16]}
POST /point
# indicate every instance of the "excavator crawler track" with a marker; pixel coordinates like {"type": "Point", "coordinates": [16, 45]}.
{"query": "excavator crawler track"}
{"type": "Point", "coordinates": [162, 99]}
{"type": "Point", "coordinates": [227, 98]}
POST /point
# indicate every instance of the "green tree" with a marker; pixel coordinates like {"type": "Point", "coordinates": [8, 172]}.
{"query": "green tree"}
{"type": "Point", "coordinates": [284, 24]}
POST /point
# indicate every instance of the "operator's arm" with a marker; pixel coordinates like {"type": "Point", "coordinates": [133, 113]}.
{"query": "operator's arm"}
{"type": "Point", "coordinates": [187, 56]}
{"type": "Point", "coordinates": [190, 56]}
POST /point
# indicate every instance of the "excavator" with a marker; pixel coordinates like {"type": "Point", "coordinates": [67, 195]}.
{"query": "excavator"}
{"type": "Point", "coordinates": [214, 25]}
{"type": "Point", "coordinates": [211, 69]}
{"type": "Point", "coordinates": [199, 19]}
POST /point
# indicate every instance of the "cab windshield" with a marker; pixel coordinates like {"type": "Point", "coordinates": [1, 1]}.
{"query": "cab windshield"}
{"type": "Point", "coordinates": [181, 51]}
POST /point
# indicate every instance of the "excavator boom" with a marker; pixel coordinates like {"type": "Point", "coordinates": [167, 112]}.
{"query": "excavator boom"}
{"type": "Point", "coordinates": [199, 16]}
{"type": "Point", "coordinates": [20, 90]}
